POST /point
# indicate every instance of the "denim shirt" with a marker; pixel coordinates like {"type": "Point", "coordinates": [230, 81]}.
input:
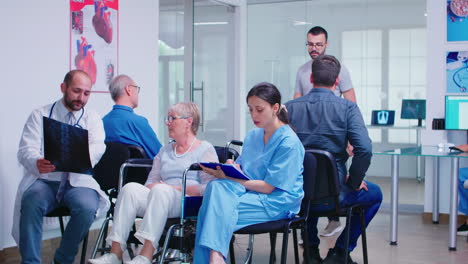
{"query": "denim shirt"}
{"type": "Point", "coordinates": [325, 121]}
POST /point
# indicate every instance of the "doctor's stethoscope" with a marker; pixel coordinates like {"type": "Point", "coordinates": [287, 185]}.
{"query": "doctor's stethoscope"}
{"type": "Point", "coordinates": [77, 121]}
{"type": "Point", "coordinates": [458, 75]}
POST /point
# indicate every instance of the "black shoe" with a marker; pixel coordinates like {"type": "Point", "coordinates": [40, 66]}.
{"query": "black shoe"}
{"type": "Point", "coordinates": [314, 255]}
{"type": "Point", "coordinates": [337, 256]}
{"type": "Point", "coordinates": [462, 230]}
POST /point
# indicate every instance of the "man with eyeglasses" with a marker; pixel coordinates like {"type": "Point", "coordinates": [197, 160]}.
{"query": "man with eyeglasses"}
{"type": "Point", "coordinates": [317, 43]}
{"type": "Point", "coordinates": [122, 124]}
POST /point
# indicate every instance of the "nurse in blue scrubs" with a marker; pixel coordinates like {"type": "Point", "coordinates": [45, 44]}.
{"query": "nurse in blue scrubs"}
{"type": "Point", "coordinates": [272, 157]}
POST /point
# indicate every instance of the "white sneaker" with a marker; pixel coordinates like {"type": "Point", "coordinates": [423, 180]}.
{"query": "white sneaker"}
{"type": "Point", "coordinates": [108, 258]}
{"type": "Point", "coordinates": [139, 260]}
{"type": "Point", "coordinates": [332, 228]}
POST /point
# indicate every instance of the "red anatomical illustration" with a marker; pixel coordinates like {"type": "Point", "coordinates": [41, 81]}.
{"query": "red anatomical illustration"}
{"type": "Point", "coordinates": [101, 21]}
{"type": "Point", "coordinates": [84, 60]}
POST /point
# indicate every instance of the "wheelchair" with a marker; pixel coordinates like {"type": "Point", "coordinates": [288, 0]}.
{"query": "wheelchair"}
{"type": "Point", "coordinates": [177, 241]}
{"type": "Point", "coordinates": [108, 173]}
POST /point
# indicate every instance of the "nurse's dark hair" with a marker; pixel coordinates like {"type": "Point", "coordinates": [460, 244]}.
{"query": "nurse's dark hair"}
{"type": "Point", "coordinates": [270, 94]}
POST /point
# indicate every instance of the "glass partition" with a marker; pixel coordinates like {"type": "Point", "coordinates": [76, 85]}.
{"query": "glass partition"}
{"type": "Point", "coordinates": [384, 54]}
{"type": "Point", "coordinates": [196, 54]}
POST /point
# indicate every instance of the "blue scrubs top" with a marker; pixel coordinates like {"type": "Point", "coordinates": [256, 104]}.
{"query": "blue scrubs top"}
{"type": "Point", "coordinates": [279, 163]}
{"type": "Point", "coordinates": [124, 126]}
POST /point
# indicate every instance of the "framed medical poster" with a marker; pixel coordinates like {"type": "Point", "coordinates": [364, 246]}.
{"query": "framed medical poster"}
{"type": "Point", "coordinates": [94, 38]}
{"type": "Point", "coordinates": [457, 71]}
{"type": "Point", "coordinates": [457, 20]}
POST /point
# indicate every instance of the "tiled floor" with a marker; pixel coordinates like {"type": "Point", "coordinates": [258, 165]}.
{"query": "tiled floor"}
{"type": "Point", "coordinates": [418, 242]}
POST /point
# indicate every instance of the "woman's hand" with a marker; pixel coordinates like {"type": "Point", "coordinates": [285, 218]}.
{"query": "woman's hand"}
{"type": "Point", "coordinates": [218, 173]}
{"type": "Point", "coordinates": [231, 162]}
{"type": "Point", "coordinates": [151, 185]}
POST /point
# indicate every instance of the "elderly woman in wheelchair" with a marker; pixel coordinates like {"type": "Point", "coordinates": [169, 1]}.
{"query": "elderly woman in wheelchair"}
{"type": "Point", "coordinates": [160, 197]}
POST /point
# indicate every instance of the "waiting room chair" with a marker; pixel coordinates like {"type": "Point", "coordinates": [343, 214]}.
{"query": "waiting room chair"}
{"type": "Point", "coordinates": [326, 195]}
{"type": "Point", "coordinates": [61, 212]}
{"type": "Point", "coordinates": [284, 226]}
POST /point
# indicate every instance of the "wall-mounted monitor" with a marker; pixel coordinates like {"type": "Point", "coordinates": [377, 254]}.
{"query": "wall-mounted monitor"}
{"type": "Point", "coordinates": [413, 109]}
{"type": "Point", "coordinates": [456, 112]}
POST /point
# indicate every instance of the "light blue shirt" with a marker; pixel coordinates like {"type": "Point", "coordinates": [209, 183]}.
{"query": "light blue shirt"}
{"type": "Point", "coordinates": [279, 162]}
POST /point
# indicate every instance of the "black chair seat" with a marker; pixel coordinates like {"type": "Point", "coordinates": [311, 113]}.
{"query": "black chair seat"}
{"type": "Point", "coordinates": [277, 226]}
{"type": "Point", "coordinates": [59, 211]}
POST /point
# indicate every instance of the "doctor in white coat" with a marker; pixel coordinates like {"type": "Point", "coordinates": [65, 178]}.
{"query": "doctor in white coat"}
{"type": "Point", "coordinates": [43, 189]}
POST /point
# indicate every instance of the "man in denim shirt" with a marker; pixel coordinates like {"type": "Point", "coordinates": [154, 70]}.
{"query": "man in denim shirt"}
{"type": "Point", "coordinates": [325, 121]}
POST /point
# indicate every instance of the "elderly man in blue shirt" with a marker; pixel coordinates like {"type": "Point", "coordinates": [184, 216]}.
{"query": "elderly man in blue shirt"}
{"type": "Point", "coordinates": [325, 121]}
{"type": "Point", "coordinates": [122, 124]}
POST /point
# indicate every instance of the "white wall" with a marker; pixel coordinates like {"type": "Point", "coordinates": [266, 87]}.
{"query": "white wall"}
{"type": "Point", "coordinates": [35, 57]}
{"type": "Point", "coordinates": [436, 88]}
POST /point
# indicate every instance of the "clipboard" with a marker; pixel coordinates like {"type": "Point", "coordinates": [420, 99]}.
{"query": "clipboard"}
{"type": "Point", "coordinates": [66, 147]}
{"type": "Point", "coordinates": [228, 169]}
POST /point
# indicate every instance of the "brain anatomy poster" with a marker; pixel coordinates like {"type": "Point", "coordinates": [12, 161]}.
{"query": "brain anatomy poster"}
{"type": "Point", "coordinates": [94, 39]}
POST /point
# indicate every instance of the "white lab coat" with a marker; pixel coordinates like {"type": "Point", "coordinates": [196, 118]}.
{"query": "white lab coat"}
{"type": "Point", "coordinates": [31, 149]}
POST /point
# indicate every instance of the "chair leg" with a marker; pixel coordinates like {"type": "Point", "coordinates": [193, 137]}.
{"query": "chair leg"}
{"type": "Point", "coordinates": [83, 250]}
{"type": "Point", "coordinates": [296, 248]}
{"type": "Point", "coordinates": [272, 248]}
{"type": "Point", "coordinates": [62, 228]}
{"type": "Point", "coordinates": [284, 249]}
{"type": "Point", "coordinates": [349, 214]}
{"type": "Point", "coordinates": [305, 239]}
{"type": "Point", "coordinates": [250, 249]}
{"type": "Point", "coordinates": [363, 236]}
{"type": "Point", "coordinates": [232, 255]}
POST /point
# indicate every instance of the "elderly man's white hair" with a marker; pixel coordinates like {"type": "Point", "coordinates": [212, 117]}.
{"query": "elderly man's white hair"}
{"type": "Point", "coordinates": [118, 84]}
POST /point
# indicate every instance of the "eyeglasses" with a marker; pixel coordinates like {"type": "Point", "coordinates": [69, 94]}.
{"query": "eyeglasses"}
{"type": "Point", "coordinates": [317, 45]}
{"type": "Point", "coordinates": [136, 86]}
{"type": "Point", "coordinates": [170, 119]}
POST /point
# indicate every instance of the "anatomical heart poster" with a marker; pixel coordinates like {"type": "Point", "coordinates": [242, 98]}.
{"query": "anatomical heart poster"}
{"type": "Point", "coordinates": [94, 40]}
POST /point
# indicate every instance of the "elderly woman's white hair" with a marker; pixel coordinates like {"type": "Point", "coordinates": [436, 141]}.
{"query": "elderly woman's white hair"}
{"type": "Point", "coordinates": [188, 109]}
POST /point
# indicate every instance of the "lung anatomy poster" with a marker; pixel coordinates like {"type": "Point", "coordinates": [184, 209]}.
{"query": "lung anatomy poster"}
{"type": "Point", "coordinates": [457, 71]}
{"type": "Point", "coordinates": [94, 40]}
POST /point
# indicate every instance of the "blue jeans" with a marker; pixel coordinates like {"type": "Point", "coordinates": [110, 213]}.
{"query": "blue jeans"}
{"type": "Point", "coordinates": [38, 200]}
{"type": "Point", "coordinates": [371, 198]}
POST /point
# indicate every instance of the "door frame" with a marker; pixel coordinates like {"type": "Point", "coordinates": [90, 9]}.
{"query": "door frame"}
{"type": "Point", "coordinates": [237, 68]}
